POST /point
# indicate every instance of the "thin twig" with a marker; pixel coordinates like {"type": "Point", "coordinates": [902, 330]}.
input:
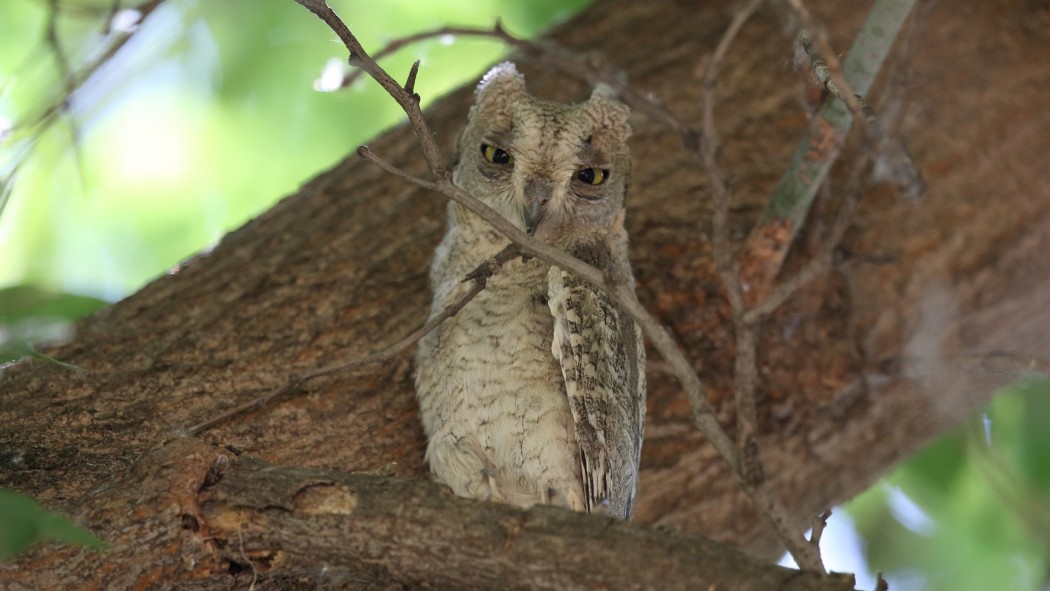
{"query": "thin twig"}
{"type": "Point", "coordinates": [751, 472]}
{"type": "Point", "coordinates": [721, 249]}
{"type": "Point", "coordinates": [402, 42]}
{"type": "Point", "coordinates": [891, 149]}
{"type": "Point", "coordinates": [791, 200]}
{"type": "Point", "coordinates": [828, 70]}
{"type": "Point", "coordinates": [806, 557]}
{"type": "Point", "coordinates": [548, 53]}
{"type": "Point", "coordinates": [725, 261]}
{"type": "Point", "coordinates": [247, 560]}
{"type": "Point", "coordinates": [745, 370]}
{"type": "Point", "coordinates": [479, 276]}
{"type": "Point", "coordinates": [69, 87]}
{"type": "Point", "coordinates": [77, 79]}
{"type": "Point", "coordinates": [824, 258]}
{"type": "Point", "coordinates": [744, 378]}
{"type": "Point", "coordinates": [410, 84]}
{"type": "Point", "coordinates": [819, 523]}
{"type": "Point", "coordinates": [408, 101]}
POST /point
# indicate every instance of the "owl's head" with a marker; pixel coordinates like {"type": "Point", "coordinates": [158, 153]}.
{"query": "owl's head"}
{"type": "Point", "coordinates": [553, 169]}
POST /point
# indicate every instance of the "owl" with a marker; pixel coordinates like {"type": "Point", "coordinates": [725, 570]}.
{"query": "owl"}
{"type": "Point", "coordinates": [535, 391]}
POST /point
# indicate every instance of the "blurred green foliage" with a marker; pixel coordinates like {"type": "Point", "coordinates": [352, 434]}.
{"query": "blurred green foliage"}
{"type": "Point", "coordinates": [972, 511]}
{"type": "Point", "coordinates": [204, 119]}
{"type": "Point", "coordinates": [30, 316]}
{"type": "Point", "coordinates": [24, 523]}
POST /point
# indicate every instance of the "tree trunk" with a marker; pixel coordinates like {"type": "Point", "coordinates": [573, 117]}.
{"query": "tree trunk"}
{"type": "Point", "coordinates": [856, 372]}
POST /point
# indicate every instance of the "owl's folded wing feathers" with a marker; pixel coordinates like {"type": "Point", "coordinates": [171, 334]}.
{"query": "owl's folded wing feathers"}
{"type": "Point", "coordinates": [603, 363]}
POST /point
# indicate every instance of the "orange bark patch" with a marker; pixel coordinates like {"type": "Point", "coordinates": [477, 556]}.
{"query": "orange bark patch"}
{"type": "Point", "coordinates": [762, 258]}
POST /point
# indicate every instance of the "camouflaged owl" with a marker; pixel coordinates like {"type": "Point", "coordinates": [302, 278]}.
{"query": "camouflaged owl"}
{"type": "Point", "coordinates": [535, 391]}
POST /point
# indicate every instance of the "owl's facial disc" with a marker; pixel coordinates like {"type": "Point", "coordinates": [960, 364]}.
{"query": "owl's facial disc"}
{"type": "Point", "coordinates": [538, 194]}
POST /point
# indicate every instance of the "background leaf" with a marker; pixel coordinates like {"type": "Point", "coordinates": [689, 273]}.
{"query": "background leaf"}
{"type": "Point", "coordinates": [23, 523]}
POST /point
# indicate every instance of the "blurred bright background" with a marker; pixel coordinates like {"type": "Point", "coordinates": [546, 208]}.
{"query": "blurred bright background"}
{"type": "Point", "coordinates": [213, 110]}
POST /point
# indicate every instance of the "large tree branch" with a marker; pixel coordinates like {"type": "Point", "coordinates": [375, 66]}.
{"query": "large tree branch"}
{"type": "Point", "coordinates": [235, 519]}
{"type": "Point", "coordinates": [418, 533]}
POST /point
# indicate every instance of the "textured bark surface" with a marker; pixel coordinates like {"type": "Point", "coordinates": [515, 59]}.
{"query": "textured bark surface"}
{"type": "Point", "coordinates": [274, 525]}
{"type": "Point", "coordinates": [339, 270]}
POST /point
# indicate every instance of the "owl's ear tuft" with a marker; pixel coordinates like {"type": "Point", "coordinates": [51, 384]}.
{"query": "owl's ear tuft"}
{"type": "Point", "coordinates": [604, 91]}
{"type": "Point", "coordinates": [503, 83]}
{"type": "Point", "coordinates": [610, 114]}
{"type": "Point", "coordinates": [497, 94]}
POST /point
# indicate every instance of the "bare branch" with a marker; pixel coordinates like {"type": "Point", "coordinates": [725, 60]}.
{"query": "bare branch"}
{"type": "Point", "coordinates": [823, 260]}
{"type": "Point", "coordinates": [723, 252]}
{"type": "Point", "coordinates": [402, 42]}
{"type": "Point", "coordinates": [74, 80]}
{"type": "Point", "coordinates": [792, 198]}
{"type": "Point", "coordinates": [750, 472]}
{"type": "Point", "coordinates": [359, 57]}
{"type": "Point", "coordinates": [901, 169]}
{"type": "Point", "coordinates": [769, 505]}
{"type": "Point", "coordinates": [828, 70]}
{"type": "Point", "coordinates": [479, 276]}
{"type": "Point", "coordinates": [548, 53]}
{"type": "Point", "coordinates": [410, 84]}
{"type": "Point", "coordinates": [725, 261]}
{"type": "Point", "coordinates": [819, 523]}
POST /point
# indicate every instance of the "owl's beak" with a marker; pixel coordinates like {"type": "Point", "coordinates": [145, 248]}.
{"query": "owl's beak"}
{"type": "Point", "coordinates": [533, 215]}
{"type": "Point", "coordinates": [537, 195]}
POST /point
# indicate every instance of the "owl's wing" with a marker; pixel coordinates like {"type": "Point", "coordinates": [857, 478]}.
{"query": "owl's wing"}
{"type": "Point", "coordinates": [603, 363]}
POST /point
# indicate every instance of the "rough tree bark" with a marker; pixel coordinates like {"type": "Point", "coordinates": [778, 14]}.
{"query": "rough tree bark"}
{"type": "Point", "coordinates": [337, 271]}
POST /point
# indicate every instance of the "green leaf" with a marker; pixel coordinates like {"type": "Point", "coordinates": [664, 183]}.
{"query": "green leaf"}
{"type": "Point", "coordinates": [1033, 437]}
{"type": "Point", "coordinates": [980, 490]}
{"type": "Point", "coordinates": [936, 469]}
{"type": "Point", "coordinates": [11, 348]}
{"type": "Point", "coordinates": [30, 315]}
{"type": "Point", "coordinates": [20, 302]}
{"type": "Point", "coordinates": [23, 522]}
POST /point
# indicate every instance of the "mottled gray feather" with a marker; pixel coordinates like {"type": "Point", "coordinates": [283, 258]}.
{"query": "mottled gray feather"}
{"type": "Point", "coordinates": [603, 362]}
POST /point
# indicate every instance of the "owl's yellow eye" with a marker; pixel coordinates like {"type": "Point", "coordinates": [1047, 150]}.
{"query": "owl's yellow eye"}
{"type": "Point", "coordinates": [592, 176]}
{"type": "Point", "coordinates": [494, 154]}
